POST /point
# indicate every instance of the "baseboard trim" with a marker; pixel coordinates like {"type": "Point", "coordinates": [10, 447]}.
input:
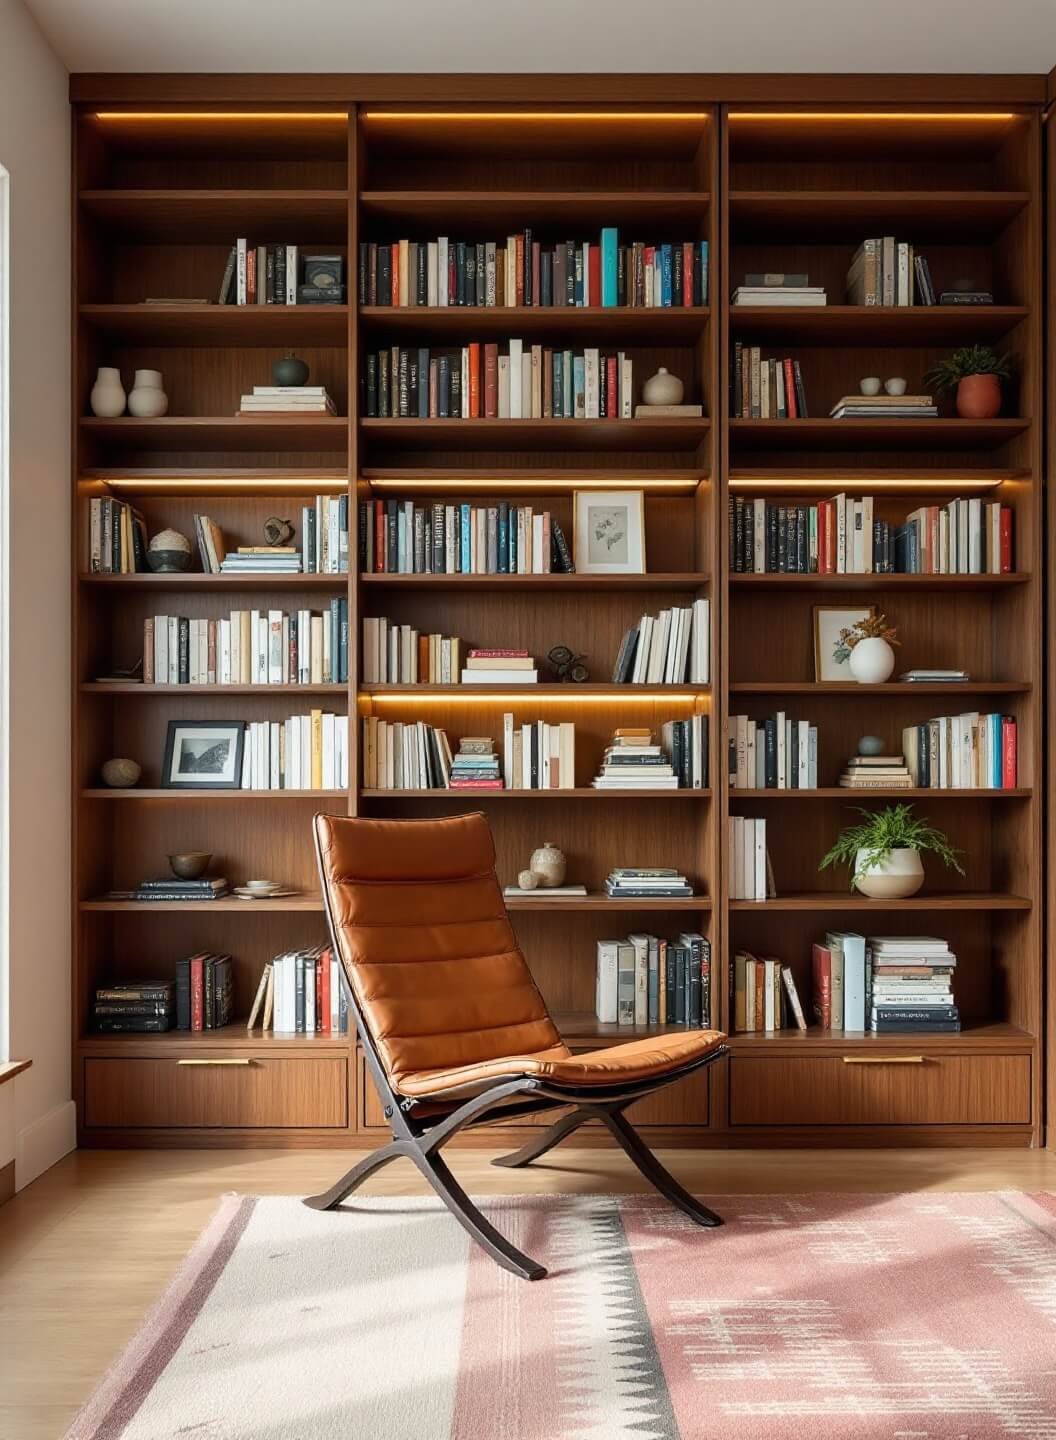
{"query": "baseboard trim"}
{"type": "Point", "coordinates": [7, 1182]}
{"type": "Point", "coordinates": [43, 1143]}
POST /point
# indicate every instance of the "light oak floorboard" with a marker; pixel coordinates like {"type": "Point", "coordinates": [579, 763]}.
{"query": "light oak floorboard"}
{"type": "Point", "coordinates": [87, 1249]}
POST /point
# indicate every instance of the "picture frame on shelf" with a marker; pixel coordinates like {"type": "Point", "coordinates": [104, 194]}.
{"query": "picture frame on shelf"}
{"type": "Point", "coordinates": [203, 755]}
{"type": "Point", "coordinates": [829, 620]}
{"type": "Point", "coordinates": [608, 532]}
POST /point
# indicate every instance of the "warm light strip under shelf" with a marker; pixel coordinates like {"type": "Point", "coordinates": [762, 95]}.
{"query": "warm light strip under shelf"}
{"type": "Point", "coordinates": [866, 485]}
{"type": "Point", "coordinates": [207, 484]}
{"type": "Point", "coordinates": [465, 484]}
{"type": "Point", "coordinates": [183, 115]}
{"type": "Point", "coordinates": [530, 115]}
{"type": "Point", "coordinates": [635, 697]}
{"type": "Point", "coordinates": [904, 116]}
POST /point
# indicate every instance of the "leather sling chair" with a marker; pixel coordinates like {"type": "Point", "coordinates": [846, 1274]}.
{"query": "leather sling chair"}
{"type": "Point", "coordinates": [453, 1028]}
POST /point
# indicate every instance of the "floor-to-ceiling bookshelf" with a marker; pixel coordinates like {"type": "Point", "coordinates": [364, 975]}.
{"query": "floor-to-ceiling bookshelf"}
{"type": "Point", "coordinates": [160, 198]}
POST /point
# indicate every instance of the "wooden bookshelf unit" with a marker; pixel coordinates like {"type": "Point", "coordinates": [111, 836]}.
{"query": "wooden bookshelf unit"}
{"type": "Point", "coordinates": [788, 185]}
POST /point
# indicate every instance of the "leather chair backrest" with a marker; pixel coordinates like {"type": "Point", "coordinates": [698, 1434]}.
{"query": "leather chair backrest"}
{"type": "Point", "coordinates": [422, 931]}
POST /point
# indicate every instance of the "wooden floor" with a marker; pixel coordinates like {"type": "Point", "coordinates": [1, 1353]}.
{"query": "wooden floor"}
{"type": "Point", "coordinates": [86, 1250]}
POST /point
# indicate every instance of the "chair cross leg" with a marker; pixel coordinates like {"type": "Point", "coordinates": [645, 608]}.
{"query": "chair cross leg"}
{"type": "Point", "coordinates": [660, 1178]}
{"type": "Point", "coordinates": [469, 1217]}
{"type": "Point", "coordinates": [551, 1136]}
{"type": "Point", "coordinates": [355, 1177]}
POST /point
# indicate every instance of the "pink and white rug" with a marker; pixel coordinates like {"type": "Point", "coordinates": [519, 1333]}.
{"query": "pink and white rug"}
{"type": "Point", "coordinates": [907, 1317]}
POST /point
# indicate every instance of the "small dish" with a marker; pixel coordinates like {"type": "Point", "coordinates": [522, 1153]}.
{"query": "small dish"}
{"type": "Point", "coordinates": [261, 885]}
{"type": "Point", "coordinates": [870, 385]}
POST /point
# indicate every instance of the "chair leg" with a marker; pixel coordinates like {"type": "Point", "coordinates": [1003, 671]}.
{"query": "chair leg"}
{"type": "Point", "coordinates": [550, 1137]}
{"type": "Point", "coordinates": [472, 1221]}
{"type": "Point", "coordinates": [355, 1177]}
{"type": "Point", "coordinates": [654, 1172]}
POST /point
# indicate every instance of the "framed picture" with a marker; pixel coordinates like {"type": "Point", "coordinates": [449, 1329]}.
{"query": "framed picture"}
{"type": "Point", "coordinates": [829, 620]}
{"type": "Point", "coordinates": [609, 532]}
{"type": "Point", "coordinates": [203, 755]}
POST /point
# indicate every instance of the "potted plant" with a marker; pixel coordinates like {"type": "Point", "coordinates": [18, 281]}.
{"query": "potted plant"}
{"type": "Point", "coordinates": [975, 372]}
{"type": "Point", "coordinates": [865, 648]}
{"type": "Point", "coordinates": [884, 852]}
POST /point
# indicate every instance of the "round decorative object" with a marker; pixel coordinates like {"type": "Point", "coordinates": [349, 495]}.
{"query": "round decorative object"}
{"type": "Point", "coordinates": [120, 773]}
{"type": "Point", "coordinates": [290, 370]}
{"type": "Point", "coordinates": [870, 385]}
{"type": "Point", "coordinates": [898, 877]}
{"type": "Point", "coordinates": [108, 394]}
{"type": "Point", "coordinates": [190, 865]}
{"type": "Point", "coordinates": [871, 661]}
{"type": "Point", "coordinates": [147, 400]}
{"type": "Point", "coordinates": [567, 665]}
{"type": "Point", "coordinates": [663, 388]}
{"type": "Point", "coordinates": [979, 397]}
{"type": "Point", "coordinates": [169, 552]}
{"type": "Point", "coordinates": [548, 864]}
{"type": "Point", "coordinates": [870, 745]}
{"type": "Point", "coordinates": [527, 880]}
{"type": "Point", "coordinates": [895, 386]}
{"type": "Point", "coordinates": [276, 531]}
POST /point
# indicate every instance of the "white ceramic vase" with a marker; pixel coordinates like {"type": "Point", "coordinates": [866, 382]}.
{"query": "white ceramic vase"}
{"type": "Point", "coordinates": [871, 661]}
{"type": "Point", "coordinates": [147, 399]}
{"type": "Point", "coordinates": [108, 394]}
{"type": "Point", "coordinates": [548, 864]}
{"type": "Point", "coordinates": [898, 877]}
{"type": "Point", "coordinates": [663, 388]}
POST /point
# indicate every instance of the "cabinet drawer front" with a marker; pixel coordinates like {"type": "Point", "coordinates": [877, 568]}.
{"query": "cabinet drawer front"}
{"type": "Point", "coordinates": [881, 1090]}
{"type": "Point", "coordinates": [306, 1092]}
{"type": "Point", "coordinates": [683, 1103]}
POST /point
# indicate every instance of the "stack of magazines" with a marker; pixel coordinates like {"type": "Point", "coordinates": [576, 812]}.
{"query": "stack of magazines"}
{"type": "Point", "coordinates": [207, 888]}
{"type": "Point", "coordinates": [649, 883]}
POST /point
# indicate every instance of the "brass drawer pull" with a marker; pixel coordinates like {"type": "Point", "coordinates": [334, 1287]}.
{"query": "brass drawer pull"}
{"type": "Point", "coordinates": [214, 1062]}
{"type": "Point", "coordinates": [883, 1059]}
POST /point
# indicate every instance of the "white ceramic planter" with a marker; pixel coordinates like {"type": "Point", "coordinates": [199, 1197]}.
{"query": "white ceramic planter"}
{"type": "Point", "coordinates": [147, 400]}
{"type": "Point", "coordinates": [900, 875]}
{"type": "Point", "coordinates": [108, 394]}
{"type": "Point", "coordinates": [871, 661]}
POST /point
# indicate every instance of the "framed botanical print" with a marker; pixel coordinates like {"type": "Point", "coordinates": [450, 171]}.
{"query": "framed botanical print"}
{"type": "Point", "coordinates": [829, 620]}
{"type": "Point", "coordinates": [203, 755]}
{"type": "Point", "coordinates": [609, 532]}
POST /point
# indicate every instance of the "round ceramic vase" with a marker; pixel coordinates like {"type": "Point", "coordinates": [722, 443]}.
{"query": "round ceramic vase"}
{"type": "Point", "coordinates": [979, 397]}
{"type": "Point", "coordinates": [147, 399]}
{"type": "Point", "coordinates": [898, 877]}
{"type": "Point", "coordinates": [663, 388]}
{"type": "Point", "coordinates": [871, 661]}
{"type": "Point", "coordinates": [549, 864]}
{"type": "Point", "coordinates": [107, 399]}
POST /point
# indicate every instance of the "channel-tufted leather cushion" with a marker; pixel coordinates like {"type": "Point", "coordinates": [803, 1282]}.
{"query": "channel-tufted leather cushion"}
{"type": "Point", "coordinates": [435, 968]}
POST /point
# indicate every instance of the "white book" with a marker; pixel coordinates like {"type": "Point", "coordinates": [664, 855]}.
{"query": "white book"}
{"type": "Point", "coordinates": [292, 269]}
{"type": "Point", "coordinates": [507, 751]}
{"type": "Point", "coordinates": [516, 383]}
{"type": "Point", "coordinates": [504, 387]}
{"type": "Point", "coordinates": [441, 271]}
{"type": "Point", "coordinates": [432, 274]}
{"type": "Point", "coordinates": [759, 536]}
{"type": "Point", "coordinates": [641, 978]}
{"type": "Point", "coordinates": [464, 397]}
{"type": "Point", "coordinates": [759, 883]}
{"type": "Point", "coordinates": [538, 558]}
{"type": "Point", "coordinates": [803, 755]}
{"type": "Point", "coordinates": [489, 273]}
{"type": "Point", "coordinates": [782, 752]}
{"type": "Point", "coordinates": [591, 383]}
{"type": "Point", "coordinates": [274, 672]}
{"type": "Point", "coordinates": [736, 857]}
{"type": "Point", "coordinates": [241, 271]}
{"type": "Point", "coordinates": [700, 665]}
{"type": "Point", "coordinates": [174, 649]}
{"type": "Point", "coordinates": [626, 387]}
{"type": "Point", "coordinates": [641, 655]}
{"type": "Point", "coordinates": [606, 985]}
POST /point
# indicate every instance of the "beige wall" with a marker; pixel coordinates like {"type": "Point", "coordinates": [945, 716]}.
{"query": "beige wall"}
{"type": "Point", "coordinates": [34, 148]}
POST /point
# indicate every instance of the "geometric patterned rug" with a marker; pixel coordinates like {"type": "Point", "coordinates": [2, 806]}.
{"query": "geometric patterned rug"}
{"type": "Point", "coordinates": [925, 1316]}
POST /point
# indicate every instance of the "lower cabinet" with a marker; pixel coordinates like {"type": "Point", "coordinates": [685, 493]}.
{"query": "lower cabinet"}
{"type": "Point", "coordinates": [235, 1092]}
{"type": "Point", "coordinates": [880, 1090]}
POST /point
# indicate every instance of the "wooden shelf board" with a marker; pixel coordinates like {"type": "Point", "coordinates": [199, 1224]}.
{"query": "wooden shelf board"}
{"type": "Point", "coordinates": [194, 797]}
{"type": "Point", "coordinates": [196, 581]}
{"type": "Point", "coordinates": [838, 792]}
{"type": "Point", "coordinates": [670, 433]}
{"type": "Point", "coordinates": [821, 481]}
{"type": "Point", "coordinates": [220, 216]}
{"type": "Point", "coordinates": [322, 433]}
{"type": "Point", "coordinates": [583, 1025]}
{"type": "Point", "coordinates": [228, 1037]}
{"type": "Point", "coordinates": [228, 481]}
{"type": "Point", "coordinates": [857, 325]}
{"type": "Point", "coordinates": [226, 905]}
{"type": "Point", "coordinates": [682, 580]}
{"type": "Point", "coordinates": [877, 582]}
{"type": "Point", "coordinates": [841, 900]}
{"type": "Point", "coordinates": [989, 1035]}
{"type": "Point", "coordinates": [858, 435]}
{"type": "Point", "coordinates": [645, 325]}
{"type": "Point", "coordinates": [588, 690]}
{"type": "Point", "coordinates": [579, 793]}
{"type": "Point", "coordinates": [601, 901]}
{"type": "Point", "coordinates": [515, 208]}
{"type": "Point", "coordinates": [832, 215]}
{"type": "Point", "coordinates": [241, 325]}
{"type": "Point", "coordinates": [890, 687]}
{"type": "Point", "coordinates": [96, 687]}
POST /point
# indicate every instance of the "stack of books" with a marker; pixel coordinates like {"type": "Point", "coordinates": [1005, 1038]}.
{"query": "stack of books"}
{"type": "Point", "coordinates": [402, 538]}
{"type": "Point", "coordinates": [651, 883]}
{"type": "Point", "coordinates": [777, 753]}
{"type": "Point", "coordinates": [169, 888]}
{"type": "Point", "coordinates": [963, 752]}
{"type": "Point", "coordinates": [476, 766]}
{"type": "Point", "coordinates": [302, 992]}
{"type": "Point", "coordinates": [883, 272]}
{"type": "Point", "coordinates": [964, 537]}
{"type": "Point", "coordinates": [966, 297]}
{"type": "Point", "coordinates": [287, 400]}
{"type": "Point", "coordinates": [304, 752]}
{"type": "Point", "coordinates": [765, 996]}
{"type": "Point", "coordinates": [404, 756]}
{"type": "Point", "coordinates": [888, 407]}
{"type": "Point", "coordinates": [748, 861]}
{"type": "Point", "coordinates": [667, 649]}
{"type": "Point", "coordinates": [646, 980]}
{"type": "Point", "coordinates": [204, 992]}
{"type": "Point", "coordinates": [538, 755]}
{"type": "Point", "coordinates": [777, 288]}
{"type": "Point", "coordinates": [545, 892]}
{"type": "Point", "coordinates": [766, 389]}
{"type": "Point", "coordinates": [633, 762]}
{"type": "Point", "coordinates": [398, 655]}
{"type": "Point", "coordinates": [261, 560]}
{"type": "Point", "coordinates": [140, 1007]}
{"type": "Point", "coordinates": [117, 537]}
{"type": "Point", "coordinates": [912, 985]}
{"type": "Point", "coordinates": [250, 647]}
{"type": "Point", "coordinates": [929, 675]}
{"type": "Point", "coordinates": [876, 772]}
{"type": "Point", "coordinates": [500, 667]}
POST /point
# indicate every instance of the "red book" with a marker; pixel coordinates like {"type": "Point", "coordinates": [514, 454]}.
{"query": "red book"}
{"type": "Point", "coordinates": [322, 993]}
{"type": "Point", "coordinates": [687, 273]}
{"type": "Point", "coordinates": [251, 275]}
{"type": "Point", "coordinates": [197, 992]}
{"type": "Point", "coordinates": [595, 276]}
{"type": "Point", "coordinates": [536, 250]}
{"type": "Point", "coordinates": [790, 391]}
{"type": "Point", "coordinates": [380, 534]}
{"type": "Point", "coordinates": [822, 963]}
{"type": "Point", "coordinates": [395, 299]}
{"type": "Point", "coordinates": [1009, 763]}
{"type": "Point", "coordinates": [491, 381]}
{"type": "Point", "coordinates": [474, 380]}
{"type": "Point", "coordinates": [1006, 540]}
{"type": "Point", "coordinates": [612, 389]}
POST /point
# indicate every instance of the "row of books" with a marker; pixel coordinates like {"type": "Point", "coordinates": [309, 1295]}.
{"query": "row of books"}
{"type": "Point", "coordinates": [766, 389]}
{"type": "Point", "coordinates": [887, 271]}
{"type": "Point", "coordinates": [538, 755]}
{"type": "Point", "coordinates": [324, 545]}
{"type": "Point", "coordinates": [888, 984]}
{"type": "Point", "coordinates": [525, 383]}
{"type": "Point", "coordinates": [251, 647]}
{"type": "Point", "coordinates": [117, 537]}
{"type": "Point", "coordinates": [445, 272]}
{"type": "Point", "coordinates": [395, 654]}
{"type": "Point", "coordinates": [748, 860]}
{"type": "Point", "coordinates": [647, 980]}
{"type": "Point", "coordinates": [400, 755]}
{"type": "Point", "coordinates": [963, 752]}
{"type": "Point", "coordinates": [777, 753]}
{"type": "Point", "coordinates": [414, 755]}
{"type": "Point", "coordinates": [304, 752]}
{"type": "Point", "coordinates": [400, 537]}
{"type": "Point", "coordinates": [764, 994]}
{"type": "Point", "coordinates": [841, 536]}
{"type": "Point", "coordinates": [302, 992]}
{"type": "Point", "coordinates": [287, 400]}
{"type": "Point", "coordinates": [650, 883]}
{"type": "Point", "coordinates": [280, 275]}
{"type": "Point", "coordinates": [672, 648]}
{"type": "Point", "coordinates": [634, 761]}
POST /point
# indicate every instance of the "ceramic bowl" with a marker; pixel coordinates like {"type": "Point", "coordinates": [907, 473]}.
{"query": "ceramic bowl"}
{"type": "Point", "coordinates": [870, 385]}
{"type": "Point", "coordinates": [262, 885]}
{"type": "Point", "coordinates": [168, 562]}
{"type": "Point", "coordinates": [895, 386]}
{"type": "Point", "coordinates": [190, 865]}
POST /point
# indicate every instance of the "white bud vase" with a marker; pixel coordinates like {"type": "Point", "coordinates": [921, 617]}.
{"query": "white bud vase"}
{"type": "Point", "coordinates": [898, 877]}
{"type": "Point", "coordinates": [147, 400]}
{"type": "Point", "coordinates": [108, 394]}
{"type": "Point", "coordinates": [871, 661]}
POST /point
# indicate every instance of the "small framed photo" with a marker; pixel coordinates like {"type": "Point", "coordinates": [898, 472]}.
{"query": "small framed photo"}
{"type": "Point", "coordinates": [203, 755]}
{"type": "Point", "coordinates": [609, 532]}
{"type": "Point", "coordinates": [829, 620]}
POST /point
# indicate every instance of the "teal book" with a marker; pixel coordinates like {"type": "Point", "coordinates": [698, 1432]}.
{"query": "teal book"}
{"type": "Point", "coordinates": [609, 266]}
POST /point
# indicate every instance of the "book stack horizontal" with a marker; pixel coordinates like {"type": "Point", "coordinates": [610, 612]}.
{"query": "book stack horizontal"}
{"type": "Point", "coordinates": [765, 996]}
{"type": "Point", "coordinates": [538, 755]}
{"type": "Point", "coordinates": [204, 992]}
{"type": "Point", "coordinates": [884, 407]}
{"type": "Point", "coordinates": [963, 752]}
{"type": "Point", "coordinates": [169, 888]}
{"type": "Point", "coordinates": [135, 1007]}
{"type": "Point", "coordinates": [647, 980]}
{"type": "Point", "coordinates": [779, 288]}
{"type": "Point", "coordinates": [521, 271]}
{"type": "Point", "coordinates": [117, 537]}
{"type": "Point", "coordinates": [912, 985]}
{"type": "Point", "coordinates": [671, 648]}
{"type": "Point", "coordinates": [287, 400]}
{"type": "Point", "coordinates": [304, 752]}
{"type": "Point", "coordinates": [965, 297]}
{"type": "Point", "coordinates": [876, 772]}
{"type": "Point", "coordinates": [650, 883]}
{"type": "Point", "coordinates": [748, 859]}
{"type": "Point", "coordinates": [400, 755]}
{"type": "Point", "coordinates": [250, 647]}
{"type": "Point", "coordinates": [500, 667]}
{"type": "Point", "coordinates": [301, 992]}
{"type": "Point", "coordinates": [632, 761]}
{"type": "Point", "coordinates": [398, 537]}
{"type": "Point", "coordinates": [476, 765]}
{"type": "Point", "coordinates": [887, 271]}
{"type": "Point", "coordinates": [777, 753]}
{"type": "Point", "coordinates": [261, 560]}
{"type": "Point", "coordinates": [396, 654]}
{"type": "Point", "coordinates": [766, 389]}
{"type": "Point", "coordinates": [478, 381]}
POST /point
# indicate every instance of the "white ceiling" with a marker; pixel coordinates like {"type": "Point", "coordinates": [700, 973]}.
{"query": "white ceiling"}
{"type": "Point", "coordinates": [780, 36]}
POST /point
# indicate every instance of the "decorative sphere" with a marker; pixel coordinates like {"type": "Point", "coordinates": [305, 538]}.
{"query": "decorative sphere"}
{"type": "Point", "coordinates": [528, 880]}
{"type": "Point", "coordinates": [120, 774]}
{"type": "Point", "coordinates": [290, 370]}
{"type": "Point", "coordinates": [663, 388]}
{"type": "Point", "coordinates": [870, 745]}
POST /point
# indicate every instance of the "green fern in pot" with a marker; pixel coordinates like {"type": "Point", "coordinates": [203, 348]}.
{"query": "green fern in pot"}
{"type": "Point", "coordinates": [883, 854]}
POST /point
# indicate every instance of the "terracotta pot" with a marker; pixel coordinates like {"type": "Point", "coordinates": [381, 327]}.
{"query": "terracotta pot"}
{"type": "Point", "coordinates": [979, 397]}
